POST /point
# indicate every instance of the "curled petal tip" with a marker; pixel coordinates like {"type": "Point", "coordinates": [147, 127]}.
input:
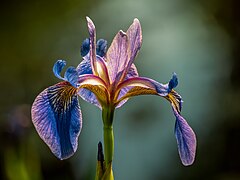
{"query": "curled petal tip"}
{"type": "Point", "coordinates": [173, 82]}
{"type": "Point", "coordinates": [58, 67]}
{"type": "Point", "coordinates": [122, 33]}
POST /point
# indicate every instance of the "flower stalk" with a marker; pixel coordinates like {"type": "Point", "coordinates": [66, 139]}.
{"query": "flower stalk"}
{"type": "Point", "coordinates": [107, 117]}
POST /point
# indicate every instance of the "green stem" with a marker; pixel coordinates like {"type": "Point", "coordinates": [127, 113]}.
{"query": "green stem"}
{"type": "Point", "coordinates": [107, 115]}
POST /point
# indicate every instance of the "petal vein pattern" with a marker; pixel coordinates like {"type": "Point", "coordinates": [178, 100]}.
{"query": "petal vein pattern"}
{"type": "Point", "coordinates": [57, 118]}
{"type": "Point", "coordinates": [186, 140]}
{"type": "Point", "coordinates": [117, 57]}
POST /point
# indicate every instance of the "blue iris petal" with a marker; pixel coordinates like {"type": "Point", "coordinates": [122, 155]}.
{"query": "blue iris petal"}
{"type": "Point", "coordinates": [173, 82]}
{"type": "Point", "coordinates": [85, 47]}
{"type": "Point", "coordinates": [186, 140]}
{"type": "Point", "coordinates": [71, 75]}
{"type": "Point", "coordinates": [101, 47]}
{"type": "Point", "coordinates": [88, 96]}
{"type": "Point", "coordinates": [58, 67]}
{"type": "Point", "coordinates": [84, 67]}
{"type": "Point", "coordinates": [57, 118]}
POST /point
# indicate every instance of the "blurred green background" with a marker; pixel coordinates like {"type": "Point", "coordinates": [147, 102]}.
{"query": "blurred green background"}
{"type": "Point", "coordinates": [199, 40]}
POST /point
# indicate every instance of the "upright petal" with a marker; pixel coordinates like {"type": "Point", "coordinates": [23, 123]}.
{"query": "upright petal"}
{"type": "Point", "coordinates": [134, 34]}
{"type": "Point", "coordinates": [117, 57]}
{"type": "Point", "coordinates": [186, 139]}
{"type": "Point", "coordinates": [57, 118]}
{"type": "Point", "coordinates": [92, 52]}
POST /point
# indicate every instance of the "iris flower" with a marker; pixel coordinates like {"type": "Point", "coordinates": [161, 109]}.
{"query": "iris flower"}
{"type": "Point", "coordinates": [107, 79]}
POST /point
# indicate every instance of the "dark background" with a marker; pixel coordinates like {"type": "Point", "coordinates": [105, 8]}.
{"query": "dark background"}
{"type": "Point", "coordinates": [199, 40]}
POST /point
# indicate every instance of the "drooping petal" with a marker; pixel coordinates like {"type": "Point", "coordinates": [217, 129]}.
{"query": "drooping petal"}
{"type": "Point", "coordinates": [184, 134]}
{"type": "Point", "coordinates": [175, 99]}
{"type": "Point", "coordinates": [186, 139]}
{"type": "Point", "coordinates": [57, 118]}
{"type": "Point", "coordinates": [58, 67]}
{"type": "Point", "coordinates": [117, 57]}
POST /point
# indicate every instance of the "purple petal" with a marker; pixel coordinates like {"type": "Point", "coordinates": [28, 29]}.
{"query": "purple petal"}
{"type": "Point", "coordinates": [57, 118]}
{"type": "Point", "coordinates": [134, 34]}
{"type": "Point", "coordinates": [117, 57]}
{"type": "Point", "coordinates": [92, 52]}
{"type": "Point", "coordinates": [143, 82]}
{"type": "Point", "coordinates": [186, 139]}
{"type": "Point", "coordinates": [143, 86]}
{"type": "Point", "coordinates": [131, 73]}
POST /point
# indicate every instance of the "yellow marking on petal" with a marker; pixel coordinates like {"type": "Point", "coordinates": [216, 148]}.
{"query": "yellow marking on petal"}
{"type": "Point", "coordinates": [136, 91]}
{"type": "Point", "coordinates": [102, 72]}
{"type": "Point", "coordinates": [99, 91]}
{"type": "Point", "coordinates": [93, 82]}
{"type": "Point", "coordinates": [172, 98]}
